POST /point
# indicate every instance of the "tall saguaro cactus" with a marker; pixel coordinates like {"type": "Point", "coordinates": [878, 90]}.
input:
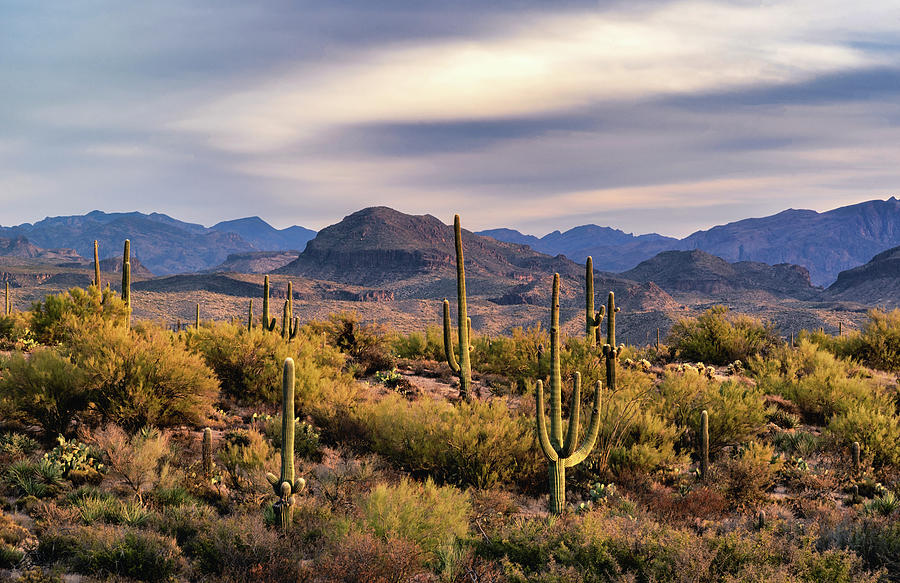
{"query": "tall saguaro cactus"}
{"type": "Point", "coordinates": [267, 324]}
{"type": "Point", "coordinates": [97, 265]}
{"type": "Point", "coordinates": [206, 453]}
{"type": "Point", "coordinates": [610, 350]}
{"type": "Point", "coordinates": [559, 453]}
{"type": "Point", "coordinates": [289, 324]}
{"type": "Point", "coordinates": [592, 318]}
{"type": "Point", "coordinates": [8, 301]}
{"type": "Point", "coordinates": [197, 318]}
{"type": "Point", "coordinates": [250, 316]}
{"type": "Point", "coordinates": [463, 368]}
{"type": "Point", "coordinates": [285, 486]}
{"type": "Point", "coordinates": [704, 445]}
{"type": "Point", "coordinates": [126, 280]}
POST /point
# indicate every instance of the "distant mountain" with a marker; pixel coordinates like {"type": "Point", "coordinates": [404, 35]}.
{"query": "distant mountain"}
{"type": "Point", "coordinates": [22, 248]}
{"type": "Point", "coordinates": [698, 271]}
{"type": "Point", "coordinates": [264, 236]}
{"type": "Point", "coordinates": [877, 283]}
{"type": "Point", "coordinates": [163, 244]}
{"type": "Point", "coordinates": [824, 243]}
{"type": "Point", "coordinates": [612, 249]}
{"type": "Point", "coordinates": [114, 265]}
{"type": "Point", "coordinates": [256, 261]}
{"type": "Point", "coordinates": [379, 246]}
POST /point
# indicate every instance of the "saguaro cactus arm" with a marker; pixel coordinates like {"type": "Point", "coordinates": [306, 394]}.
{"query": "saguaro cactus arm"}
{"type": "Point", "coordinates": [592, 318]}
{"type": "Point", "coordinates": [544, 439]}
{"type": "Point", "coordinates": [267, 324]}
{"type": "Point", "coordinates": [449, 352]}
{"type": "Point", "coordinates": [590, 438]}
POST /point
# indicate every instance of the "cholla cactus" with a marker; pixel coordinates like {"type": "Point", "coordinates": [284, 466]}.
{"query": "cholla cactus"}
{"type": "Point", "coordinates": [559, 453]}
{"type": "Point", "coordinates": [285, 486]}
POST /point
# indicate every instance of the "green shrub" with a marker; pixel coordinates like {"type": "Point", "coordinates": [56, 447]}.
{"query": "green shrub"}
{"type": "Point", "coordinates": [113, 550]}
{"type": "Point", "coordinates": [718, 337]}
{"type": "Point", "coordinates": [877, 541]}
{"type": "Point", "coordinates": [875, 426]}
{"type": "Point", "coordinates": [819, 383]}
{"type": "Point", "coordinates": [476, 444]}
{"type": "Point", "coordinates": [431, 516]}
{"type": "Point", "coordinates": [53, 318]}
{"type": "Point", "coordinates": [142, 376]}
{"type": "Point", "coordinates": [746, 477]}
{"type": "Point", "coordinates": [39, 479]}
{"type": "Point", "coordinates": [243, 455]}
{"type": "Point", "coordinates": [45, 389]}
{"type": "Point", "coordinates": [17, 445]}
{"type": "Point", "coordinates": [306, 439]}
{"type": "Point", "coordinates": [879, 344]}
{"type": "Point", "coordinates": [367, 345]}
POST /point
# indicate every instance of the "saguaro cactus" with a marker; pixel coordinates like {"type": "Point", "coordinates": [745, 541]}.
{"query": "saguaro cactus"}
{"type": "Point", "coordinates": [126, 281]}
{"type": "Point", "coordinates": [463, 368]}
{"type": "Point", "coordinates": [206, 452]}
{"type": "Point", "coordinates": [8, 302]}
{"type": "Point", "coordinates": [197, 318]}
{"type": "Point", "coordinates": [592, 318]}
{"type": "Point", "coordinates": [610, 350]}
{"type": "Point", "coordinates": [285, 487]}
{"type": "Point", "coordinates": [563, 454]}
{"type": "Point", "coordinates": [704, 445]}
{"type": "Point", "coordinates": [854, 457]}
{"type": "Point", "coordinates": [250, 316]}
{"type": "Point", "coordinates": [97, 265]}
{"type": "Point", "coordinates": [267, 324]}
{"type": "Point", "coordinates": [289, 324]}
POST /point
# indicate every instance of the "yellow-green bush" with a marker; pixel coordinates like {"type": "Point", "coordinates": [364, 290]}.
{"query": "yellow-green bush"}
{"type": "Point", "coordinates": [52, 318]}
{"type": "Point", "coordinates": [432, 516]}
{"type": "Point", "coordinates": [45, 389]}
{"type": "Point", "coordinates": [875, 425]}
{"type": "Point", "coordinates": [142, 376]}
{"type": "Point", "coordinates": [718, 337]}
{"type": "Point", "coordinates": [473, 444]}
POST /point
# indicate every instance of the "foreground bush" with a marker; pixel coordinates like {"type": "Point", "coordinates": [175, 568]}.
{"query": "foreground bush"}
{"type": "Point", "coordinates": [719, 337]}
{"type": "Point", "coordinates": [53, 318]}
{"type": "Point", "coordinates": [470, 444]}
{"type": "Point", "coordinates": [141, 377]}
{"type": "Point", "coordinates": [45, 389]}
{"type": "Point", "coordinates": [111, 550]}
{"type": "Point", "coordinates": [431, 516]}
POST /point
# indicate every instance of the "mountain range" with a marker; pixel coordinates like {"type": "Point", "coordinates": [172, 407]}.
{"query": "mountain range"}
{"type": "Point", "coordinates": [825, 243]}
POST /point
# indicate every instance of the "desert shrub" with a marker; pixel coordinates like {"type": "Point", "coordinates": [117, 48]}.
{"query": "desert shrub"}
{"type": "Point", "coordinates": [142, 377]}
{"type": "Point", "coordinates": [802, 443]}
{"type": "Point", "coordinates": [241, 548]}
{"type": "Point", "coordinates": [875, 425]}
{"type": "Point", "coordinates": [140, 460]}
{"type": "Point", "coordinates": [45, 389]}
{"type": "Point", "coordinates": [515, 356]}
{"type": "Point", "coordinates": [17, 445]}
{"type": "Point", "coordinates": [736, 409]}
{"type": "Point", "coordinates": [877, 541]}
{"type": "Point", "coordinates": [306, 438]}
{"type": "Point", "coordinates": [52, 319]}
{"type": "Point", "coordinates": [879, 343]}
{"type": "Point", "coordinates": [431, 516]}
{"type": "Point", "coordinates": [360, 556]}
{"type": "Point", "coordinates": [113, 550]}
{"type": "Point", "coordinates": [367, 345]}
{"type": "Point", "coordinates": [745, 477]}
{"type": "Point", "coordinates": [184, 522]}
{"type": "Point", "coordinates": [818, 382]}
{"type": "Point", "coordinates": [108, 509]}
{"type": "Point", "coordinates": [243, 455]}
{"type": "Point", "coordinates": [476, 444]}
{"type": "Point", "coordinates": [721, 338]}
{"type": "Point", "coordinates": [38, 575]}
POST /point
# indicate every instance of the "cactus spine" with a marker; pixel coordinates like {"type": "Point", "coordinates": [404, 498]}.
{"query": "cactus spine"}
{"type": "Point", "coordinates": [250, 316]}
{"type": "Point", "coordinates": [126, 281]}
{"type": "Point", "coordinates": [285, 487]}
{"type": "Point", "coordinates": [463, 368]}
{"type": "Point", "coordinates": [704, 445]}
{"type": "Point", "coordinates": [267, 324]}
{"type": "Point", "coordinates": [207, 453]}
{"type": "Point", "coordinates": [592, 318]}
{"type": "Point", "coordinates": [8, 304]}
{"type": "Point", "coordinates": [610, 350]}
{"type": "Point", "coordinates": [289, 324]}
{"type": "Point", "coordinates": [97, 265]}
{"type": "Point", "coordinates": [563, 454]}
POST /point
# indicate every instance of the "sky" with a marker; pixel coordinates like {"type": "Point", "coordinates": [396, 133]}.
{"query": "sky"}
{"type": "Point", "coordinates": [645, 115]}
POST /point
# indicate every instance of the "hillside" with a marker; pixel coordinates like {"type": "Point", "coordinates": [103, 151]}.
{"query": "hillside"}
{"type": "Point", "coordinates": [264, 236]}
{"type": "Point", "coordinates": [700, 272]}
{"type": "Point", "coordinates": [874, 283]}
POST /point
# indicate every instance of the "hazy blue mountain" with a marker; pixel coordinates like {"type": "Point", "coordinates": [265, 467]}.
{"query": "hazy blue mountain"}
{"type": "Point", "coordinates": [264, 236]}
